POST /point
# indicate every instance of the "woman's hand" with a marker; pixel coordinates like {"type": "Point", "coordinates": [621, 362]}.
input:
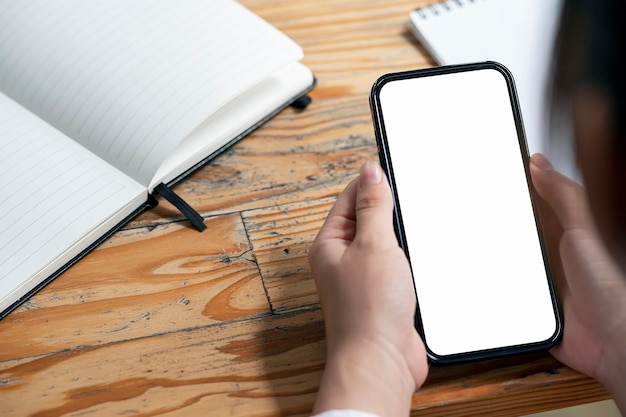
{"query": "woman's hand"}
{"type": "Point", "coordinates": [376, 359]}
{"type": "Point", "coordinates": [591, 287]}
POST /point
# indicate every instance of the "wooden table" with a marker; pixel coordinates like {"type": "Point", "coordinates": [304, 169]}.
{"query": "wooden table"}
{"type": "Point", "coordinates": [164, 320]}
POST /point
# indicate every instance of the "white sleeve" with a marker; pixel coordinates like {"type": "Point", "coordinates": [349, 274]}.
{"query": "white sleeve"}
{"type": "Point", "coordinates": [345, 413]}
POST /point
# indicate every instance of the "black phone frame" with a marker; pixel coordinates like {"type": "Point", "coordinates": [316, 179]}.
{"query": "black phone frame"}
{"type": "Point", "coordinates": [386, 164]}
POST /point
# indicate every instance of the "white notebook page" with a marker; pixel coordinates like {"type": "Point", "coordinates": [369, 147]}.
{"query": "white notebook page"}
{"type": "Point", "coordinates": [54, 193]}
{"type": "Point", "coordinates": [517, 33]}
{"type": "Point", "coordinates": [233, 118]}
{"type": "Point", "coordinates": [129, 80]}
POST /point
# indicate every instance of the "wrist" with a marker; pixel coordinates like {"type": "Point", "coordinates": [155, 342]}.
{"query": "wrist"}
{"type": "Point", "coordinates": [366, 376]}
{"type": "Point", "coordinates": [612, 372]}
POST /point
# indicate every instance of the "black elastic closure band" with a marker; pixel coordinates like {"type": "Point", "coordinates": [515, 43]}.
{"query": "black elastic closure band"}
{"type": "Point", "coordinates": [301, 103]}
{"type": "Point", "coordinates": [194, 217]}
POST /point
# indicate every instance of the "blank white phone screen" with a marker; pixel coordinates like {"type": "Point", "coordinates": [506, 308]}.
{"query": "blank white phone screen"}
{"type": "Point", "coordinates": [475, 253]}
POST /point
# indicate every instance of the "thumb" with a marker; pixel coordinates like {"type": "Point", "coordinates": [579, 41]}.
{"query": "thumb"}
{"type": "Point", "coordinates": [565, 197]}
{"type": "Point", "coordinates": [374, 206]}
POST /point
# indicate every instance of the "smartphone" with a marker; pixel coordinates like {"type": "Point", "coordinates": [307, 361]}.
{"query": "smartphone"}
{"type": "Point", "coordinates": [452, 144]}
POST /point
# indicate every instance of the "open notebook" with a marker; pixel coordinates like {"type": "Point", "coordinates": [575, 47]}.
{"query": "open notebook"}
{"type": "Point", "coordinates": [104, 101]}
{"type": "Point", "coordinates": [517, 33]}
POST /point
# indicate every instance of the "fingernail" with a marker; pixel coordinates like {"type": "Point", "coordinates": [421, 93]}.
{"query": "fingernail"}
{"type": "Point", "coordinates": [371, 173]}
{"type": "Point", "coordinates": [541, 162]}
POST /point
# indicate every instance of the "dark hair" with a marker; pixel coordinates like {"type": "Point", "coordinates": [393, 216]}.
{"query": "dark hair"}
{"type": "Point", "coordinates": [591, 53]}
{"type": "Point", "coordinates": [591, 50]}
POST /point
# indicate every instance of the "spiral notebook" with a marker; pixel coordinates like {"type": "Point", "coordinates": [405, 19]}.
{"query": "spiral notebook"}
{"type": "Point", "coordinates": [517, 33]}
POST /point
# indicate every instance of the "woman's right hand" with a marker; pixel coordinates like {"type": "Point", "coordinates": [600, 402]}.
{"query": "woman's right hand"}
{"type": "Point", "coordinates": [591, 287]}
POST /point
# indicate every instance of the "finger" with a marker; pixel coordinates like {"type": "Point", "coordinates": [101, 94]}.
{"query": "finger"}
{"type": "Point", "coordinates": [345, 206]}
{"type": "Point", "coordinates": [374, 206]}
{"type": "Point", "coordinates": [552, 234]}
{"type": "Point", "coordinates": [564, 196]}
{"type": "Point", "coordinates": [340, 221]}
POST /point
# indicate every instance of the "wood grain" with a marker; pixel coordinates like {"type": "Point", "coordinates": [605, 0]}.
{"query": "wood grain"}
{"type": "Point", "coordinates": [504, 387]}
{"type": "Point", "coordinates": [143, 282]}
{"type": "Point", "coordinates": [250, 367]}
{"type": "Point", "coordinates": [281, 237]}
{"type": "Point", "coordinates": [163, 320]}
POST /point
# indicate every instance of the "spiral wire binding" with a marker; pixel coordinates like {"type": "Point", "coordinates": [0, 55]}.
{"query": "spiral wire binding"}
{"type": "Point", "coordinates": [437, 8]}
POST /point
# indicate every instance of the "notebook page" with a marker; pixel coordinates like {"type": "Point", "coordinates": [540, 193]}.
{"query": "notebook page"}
{"type": "Point", "coordinates": [517, 33]}
{"type": "Point", "coordinates": [234, 118]}
{"type": "Point", "coordinates": [54, 193]}
{"type": "Point", "coordinates": [129, 80]}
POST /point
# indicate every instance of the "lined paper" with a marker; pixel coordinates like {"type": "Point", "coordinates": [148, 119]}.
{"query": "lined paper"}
{"type": "Point", "coordinates": [54, 194]}
{"type": "Point", "coordinates": [130, 80]}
